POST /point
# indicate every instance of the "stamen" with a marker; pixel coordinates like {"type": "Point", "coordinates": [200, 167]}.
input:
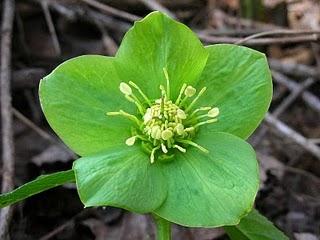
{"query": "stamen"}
{"type": "Point", "coordinates": [179, 129]}
{"type": "Point", "coordinates": [198, 110]}
{"type": "Point", "coordinates": [134, 100]}
{"type": "Point", "coordinates": [166, 134]}
{"type": "Point", "coordinates": [181, 149]}
{"type": "Point", "coordinates": [127, 115]}
{"type": "Point", "coordinates": [131, 140]}
{"type": "Point", "coordinates": [190, 91]}
{"type": "Point", "coordinates": [189, 142]}
{"type": "Point", "coordinates": [152, 153]}
{"type": "Point", "coordinates": [181, 114]}
{"type": "Point", "coordinates": [164, 148]}
{"type": "Point", "coordinates": [125, 88]}
{"type": "Point", "coordinates": [141, 92]}
{"type": "Point", "coordinates": [206, 122]}
{"type": "Point", "coordinates": [214, 112]}
{"type": "Point", "coordinates": [180, 94]}
{"type": "Point", "coordinates": [196, 99]}
{"type": "Point", "coordinates": [168, 82]}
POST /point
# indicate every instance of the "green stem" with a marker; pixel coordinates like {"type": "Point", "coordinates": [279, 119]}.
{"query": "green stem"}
{"type": "Point", "coordinates": [163, 228]}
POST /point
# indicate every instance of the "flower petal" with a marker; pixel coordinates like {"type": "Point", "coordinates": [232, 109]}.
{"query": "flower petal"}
{"type": "Point", "coordinates": [238, 82]}
{"type": "Point", "coordinates": [121, 177]}
{"type": "Point", "coordinates": [214, 189]}
{"type": "Point", "coordinates": [155, 42]}
{"type": "Point", "coordinates": [75, 98]}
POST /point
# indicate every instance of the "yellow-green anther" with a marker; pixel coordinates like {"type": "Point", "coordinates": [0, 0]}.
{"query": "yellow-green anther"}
{"type": "Point", "coordinates": [181, 149]}
{"type": "Point", "coordinates": [156, 132]}
{"type": "Point", "coordinates": [141, 92]}
{"type": "Point", "coordinates": [179, 129]}
{"type": "Point", "coordinates": [147, 116]}
{"type": "Point", "coordinates": [131, 140]}
{"type": "Point", "coordinates": [125, 88]}
{"type": "Point", "coordinates": [196, 99]}
{"type": "Point", "coordinates": [166, 134]}
{"type": "Point", "coordinates": [180, 94]}
{"type": "Point", "coordinates": [164, 148]}
{"type": "Point", "coordinates": [214, 112]}
{"type": "Point", "coordinates": [165, 71]}
{"type": "Point", "coordinates": [190, 91]}
{"type": "Point", "coordinates": [189, 129]}
{"type": "Point", "coordinates": [181, 114]}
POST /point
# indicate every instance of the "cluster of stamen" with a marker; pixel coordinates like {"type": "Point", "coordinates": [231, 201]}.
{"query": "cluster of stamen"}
{"type": "Point", "coordinates": [164, 126]}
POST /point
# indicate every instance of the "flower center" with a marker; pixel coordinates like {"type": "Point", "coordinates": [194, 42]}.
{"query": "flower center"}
{"type": "Point", "coordinates": [164, 126]}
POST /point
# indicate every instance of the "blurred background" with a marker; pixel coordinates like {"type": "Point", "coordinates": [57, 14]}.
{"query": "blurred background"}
{"type": "Point", "coordinates": [37, 35]}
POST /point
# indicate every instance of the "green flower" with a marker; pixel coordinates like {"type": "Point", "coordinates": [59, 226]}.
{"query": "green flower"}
{"type": "Point", "coordinates": [160, 127]}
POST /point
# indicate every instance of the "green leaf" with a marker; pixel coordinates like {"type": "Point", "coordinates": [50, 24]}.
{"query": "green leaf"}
{"type": "Point", "coordinates": [239, 83]}
{"type": "Point", "coordinates": [213, 189]}
{"type": "Point", "coordinates": [155, 42]}
{"type": "Point", "coordinates": [75, 98]}
{"type": "Point", "coordinates": [38, 185]}
{"type": "Point", "coordinates": [254, 226]}
{"type": "Point", "coordinates": [120, 177]}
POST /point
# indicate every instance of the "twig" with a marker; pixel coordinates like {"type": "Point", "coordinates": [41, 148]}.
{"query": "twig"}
{"type": "Point", "coordinates": [276, 32]}
{"type": "Point", "coordinates": [307, 96]}
{"type": "Point", "coordinates": [111, 10]}
{"type": "Point", "coordinates": [261, 41]}
{"type": "Point", "coordinates": [285, 131]}
{"type": "Point", "coordinates": [241, 22]}
{"type": "Point", "coordinates": [6, 114]}
{"type": "Point", "coordinates": [282, 107]}
{"type": "Point", "coordinates": [73, 12]}
{"type": "Point", "coordinates": [39, 131]}
{"type": "Point", "coordinates": [52, 30]}
{"type": "Point", "coordinates": [294, 69]}
{"type": "Point", "coordinates": [154, 5]}
{"type": "Point", "coordinates": [292, 97]}
{"type": "Point", "coordinates": [27, 77]}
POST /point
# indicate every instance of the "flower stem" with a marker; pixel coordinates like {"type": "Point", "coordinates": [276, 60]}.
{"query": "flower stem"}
{"type": "Point", "coordinates": [163, 228]}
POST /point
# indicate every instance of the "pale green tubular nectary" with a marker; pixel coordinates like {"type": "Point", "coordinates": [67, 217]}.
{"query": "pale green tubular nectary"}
{"type": "Point", "coordinates": [165, 126]}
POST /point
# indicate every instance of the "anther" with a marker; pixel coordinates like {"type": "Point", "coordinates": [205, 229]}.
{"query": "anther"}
{"type": "Point", "coordinates": [190, 91]}
{"type": "Point", "coordinates": [125, 88]}
{"type": "Point", "coordinates": [214, 112]}
{"type": "Point", "coordinates": [196, 99]}
{"type": "Point", "coordinates": [164, 148]}
{"type": "Point", "coordinates": [131, 140]}
{"type": "Point", "coordinates": [181, 114]}
{"type": "Point", "coordinates": [179, 129]}
{"type": "Point", "coordinates": [181, 149]}
{"type": "Point", "coordinates": [166, 134]}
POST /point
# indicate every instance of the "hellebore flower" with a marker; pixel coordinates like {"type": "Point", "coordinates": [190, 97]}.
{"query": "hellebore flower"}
{"type": "Point", "coordinates": [161, 127]}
